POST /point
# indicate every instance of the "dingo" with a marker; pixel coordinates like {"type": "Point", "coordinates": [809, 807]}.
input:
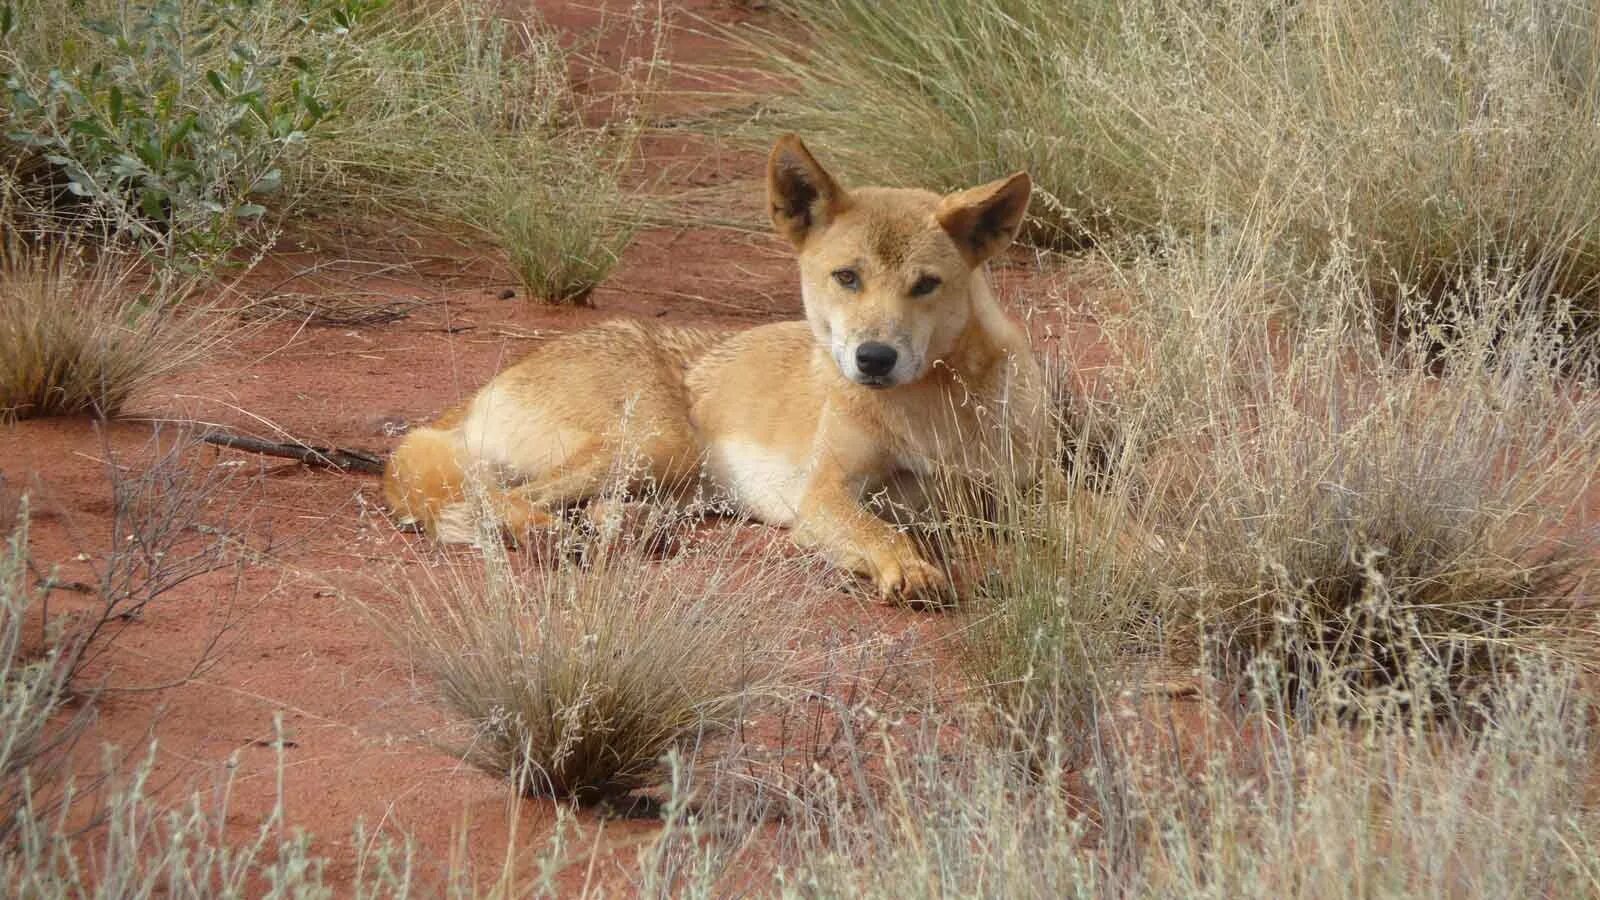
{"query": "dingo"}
{"type": "Point", "coordinates": [905, 363]}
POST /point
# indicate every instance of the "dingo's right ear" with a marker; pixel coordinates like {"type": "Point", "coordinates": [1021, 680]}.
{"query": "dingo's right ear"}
{"type": "Point", "coordinates": [803, 196]}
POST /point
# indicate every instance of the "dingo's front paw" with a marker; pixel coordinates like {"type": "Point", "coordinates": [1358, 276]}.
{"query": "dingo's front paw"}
{"type": "Point", "coordinates": [913, 581]}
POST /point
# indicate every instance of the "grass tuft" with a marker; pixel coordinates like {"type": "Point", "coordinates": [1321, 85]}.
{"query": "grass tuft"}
{"type": "Point", "coordinates": [1060, 603]}
{"type": "Point", "coordinates": [82, 336]}
{"type": "Point", "coordinates": [466, 122]}
{"type": "Point", "coordinates": [578, 664]}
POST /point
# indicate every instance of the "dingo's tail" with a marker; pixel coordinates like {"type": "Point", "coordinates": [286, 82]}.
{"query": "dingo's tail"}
{"type": "Point", "coordinates": [424, 476]}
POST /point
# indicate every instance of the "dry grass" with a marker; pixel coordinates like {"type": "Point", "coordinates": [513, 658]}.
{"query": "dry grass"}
{"type": "Point", "coordinates": [460, 119]}
{"type": "Point", "coordinates": [577, 664]}
{"type": "Point", "coordinates": [1060, 606]}
{"type": "Point", "coordinates": [81, 336]}
{"type": "Point", "coordinates": [1255, 809]}
{"type": "Point", "coordinates": [1386, 521]}
{"type": "Point", "coordinates": [1429, 138]}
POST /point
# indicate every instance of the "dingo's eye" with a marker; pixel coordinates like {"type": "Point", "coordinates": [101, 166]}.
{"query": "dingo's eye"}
{"type": "Point", "coordinates": [849, 279]}
{"type": "Point", "coordinates": [925, 285]}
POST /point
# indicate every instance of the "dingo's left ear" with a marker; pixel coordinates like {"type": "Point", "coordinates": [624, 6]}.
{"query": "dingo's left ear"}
{"type": "Point", "coordinates": [802, 195]}
{"type": "Point", "coordinates": [985, 219]}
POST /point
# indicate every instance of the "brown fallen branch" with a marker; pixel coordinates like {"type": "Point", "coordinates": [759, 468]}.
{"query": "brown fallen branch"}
{"type": "Point", "coordinates": [323, 457]}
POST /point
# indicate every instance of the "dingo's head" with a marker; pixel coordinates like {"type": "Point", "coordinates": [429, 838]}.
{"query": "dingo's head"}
{"type": "Point", "coordinates": [887, 274]}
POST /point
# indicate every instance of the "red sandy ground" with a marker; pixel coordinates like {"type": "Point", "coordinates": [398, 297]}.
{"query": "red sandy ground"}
{"type": "Point", "coordinates": [356, 717]}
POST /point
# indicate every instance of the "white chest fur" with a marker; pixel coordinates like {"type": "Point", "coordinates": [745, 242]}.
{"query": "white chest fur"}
{"type": "Point", "coordinates": [764, 482]}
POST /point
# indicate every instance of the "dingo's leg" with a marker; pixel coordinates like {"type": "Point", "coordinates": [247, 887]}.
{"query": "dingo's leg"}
{"type": "Point", "coordinates": [833, 519]}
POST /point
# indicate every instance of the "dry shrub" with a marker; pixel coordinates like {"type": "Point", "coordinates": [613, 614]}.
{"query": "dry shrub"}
{"type": "Point", "coordinates": [33, 689]}
{"type": "Point", "coordinates": [1386, 522]}
{"type": "Point", "coordinates": [173, 520]}
{"type": "Point", "coordinates": [580, 661]}
{"type": "Point", "coordinates": [46, 696]}
{"type": "Point", "coordinates": [82, 336]}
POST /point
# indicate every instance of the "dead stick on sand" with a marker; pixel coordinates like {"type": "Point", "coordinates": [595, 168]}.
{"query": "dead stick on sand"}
{"type": "Point", "coordinates": [324, 457]}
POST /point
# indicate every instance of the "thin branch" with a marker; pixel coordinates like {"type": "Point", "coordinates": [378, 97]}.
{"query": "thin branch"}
{"type": "Point", "coordinates": [345, 460]}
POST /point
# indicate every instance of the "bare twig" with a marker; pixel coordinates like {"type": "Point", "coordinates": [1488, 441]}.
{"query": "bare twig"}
{"type": "Point", "coordinates": [152, 551]}
{"type": "Point", "coordinates": [340, 458]}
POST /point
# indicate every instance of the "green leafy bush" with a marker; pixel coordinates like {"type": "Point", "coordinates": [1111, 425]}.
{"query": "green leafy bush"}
{"type": "Point", "coordinates": [169, 122]}
{"type": "Point", "coordinates": [179, 125]}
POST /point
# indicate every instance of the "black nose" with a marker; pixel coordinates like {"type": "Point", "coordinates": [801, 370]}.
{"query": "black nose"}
{"type": "Point", "coordinates": [876, 359]}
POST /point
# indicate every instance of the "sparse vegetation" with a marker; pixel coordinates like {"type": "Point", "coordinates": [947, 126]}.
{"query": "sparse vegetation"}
{"type": "Point", "coordinates": [1318, 621]}
{"type": "Point", "coordinates": [172, 521]}
{"type": "Point", "coordinates": [148, 849]}
{"type": "Point", "coordinates": [33, 688]}
{"type": "Point", "coordinates": [1427, 138]}
{"type": "Point", "coordinates": [1255, 809]}
{"type": "Point", "coordinates": [562, 229]}
{"type": "Point", "coordinates": [44, 657]}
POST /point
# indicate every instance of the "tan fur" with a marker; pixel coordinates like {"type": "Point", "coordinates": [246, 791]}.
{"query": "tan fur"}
{"type": "Point", "coordinates": [781, 418]}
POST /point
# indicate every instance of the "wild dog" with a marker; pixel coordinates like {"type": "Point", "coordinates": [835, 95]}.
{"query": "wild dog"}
{"type": "Point", "coordinates": [905, 363]}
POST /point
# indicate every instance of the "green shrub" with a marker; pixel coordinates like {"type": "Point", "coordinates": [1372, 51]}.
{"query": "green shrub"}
{"type": "Point", "coordinates": [179, 124]}
{"type": "Point", "coordinates": [167, 122]}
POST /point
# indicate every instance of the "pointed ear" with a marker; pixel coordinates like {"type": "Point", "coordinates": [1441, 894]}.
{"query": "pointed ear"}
{"type": "Point", "coordinates": [803, 196]}
{"type": "Point", "coordinates": [985, 219]}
